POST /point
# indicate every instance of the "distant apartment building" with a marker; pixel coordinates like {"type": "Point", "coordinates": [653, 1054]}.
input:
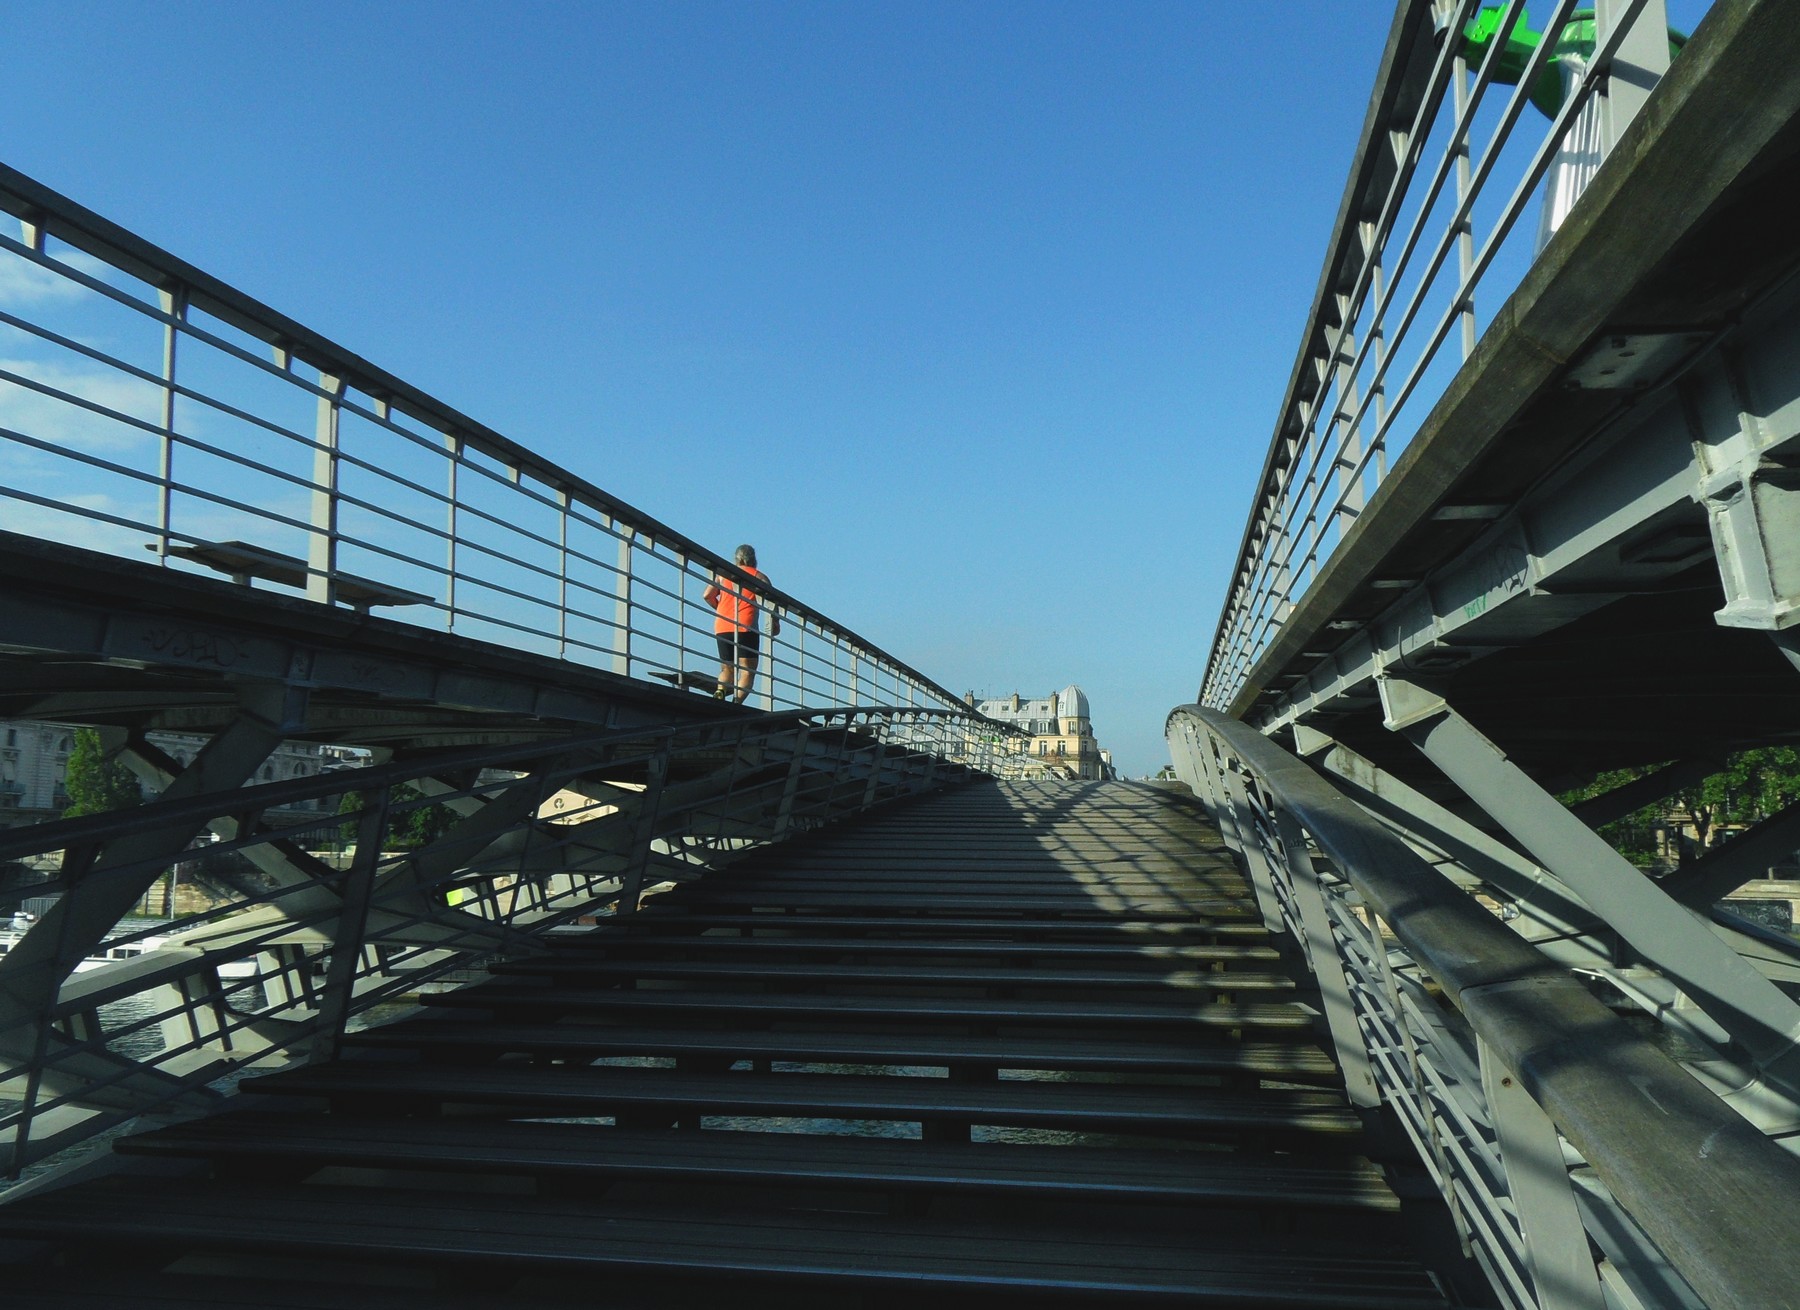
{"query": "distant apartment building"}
{"type": "Point", "coordinates": [1062, 732]}
{"type": "Point", "coordinates": [34, 769]}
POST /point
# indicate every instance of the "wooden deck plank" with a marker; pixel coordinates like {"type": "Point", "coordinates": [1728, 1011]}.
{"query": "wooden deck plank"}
{"type": "Point", "coordinates": [1089, 940]}
{"type": "Point", "coordinates": [773, 943]}
{"type": "Point", "coordinates": [1091, 1052]}
{"type": "Point", "coordinates": [1068, 1172]}
{"type": "Point", "coordinates": [885, 975]}
{"type": "Point", "coordinates": [596, 1090]}
{"type": "Point", "coordinates": [1168, 908]}
{"type": "Point", "coordinates": [837, 1248]}
{"type": "Point", "coordinates": [142, 1290]}
{"type": "Point", "coordinates": [1122, 1012]}
{"type": "Point", "coordinates": [657, 917]}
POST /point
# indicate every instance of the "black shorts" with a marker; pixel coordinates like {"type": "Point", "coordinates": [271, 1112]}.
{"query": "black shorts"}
{"type": "Point", "coordinates": [734, 646]}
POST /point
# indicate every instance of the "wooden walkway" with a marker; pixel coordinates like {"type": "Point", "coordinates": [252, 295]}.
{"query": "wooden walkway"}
{"type": "Point", "coordinates": [1007, 1045]}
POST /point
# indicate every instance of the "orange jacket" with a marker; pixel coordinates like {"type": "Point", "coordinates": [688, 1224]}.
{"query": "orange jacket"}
{"type": "Point", "coordinates": [736, 605]}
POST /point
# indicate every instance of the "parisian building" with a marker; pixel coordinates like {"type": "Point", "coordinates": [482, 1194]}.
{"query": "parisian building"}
{"type": "Point", "coordinates": [34, 769]}
{"type": "Point", "coordinates": [1062, 731]}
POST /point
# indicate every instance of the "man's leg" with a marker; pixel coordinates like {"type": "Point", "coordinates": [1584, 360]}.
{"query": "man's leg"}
{"type": "Point", "coordinates": [746, 674]}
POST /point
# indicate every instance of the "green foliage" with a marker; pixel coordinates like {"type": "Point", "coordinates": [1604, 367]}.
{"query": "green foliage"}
{"type": "Point", "coordinates": [1753, 785]}
{"type": "Point", "coordinates": [408, 828]}
{"type": "Point", "coordinates": [95, 783]}
{"type": "Point", "coordinates": [1634, 836]}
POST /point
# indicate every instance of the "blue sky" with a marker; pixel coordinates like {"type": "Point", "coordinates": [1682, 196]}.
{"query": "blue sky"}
{"type": "Point", "coordinates": [974, 318]}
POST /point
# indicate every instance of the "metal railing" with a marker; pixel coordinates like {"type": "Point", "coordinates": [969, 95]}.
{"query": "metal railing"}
{"type": "Point", "coordinates": [329, 919]}
{"type": "Point", "coordinates": [1432, 235]}
{"type": "Point", "coordinates": [146, 405]}
{"type": "Point", "coordinates": [1582, 1166]}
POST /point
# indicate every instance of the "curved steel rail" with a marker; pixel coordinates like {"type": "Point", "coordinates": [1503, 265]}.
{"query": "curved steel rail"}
{"type": "Point", "coordinates": [1444, 1016]}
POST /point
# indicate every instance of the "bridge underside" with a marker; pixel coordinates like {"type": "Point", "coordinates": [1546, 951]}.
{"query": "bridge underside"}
{"type": "Point", "coordinates": [1588, 549]}
{"type": "Point", "coordinates": [92, 639]}
{"type": "Point", "coordinates": [1013, 1044]}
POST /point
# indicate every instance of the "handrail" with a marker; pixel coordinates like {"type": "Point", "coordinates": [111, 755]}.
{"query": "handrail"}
{"type": "Point", "coordinates": [526, 839]}
{"type": "Point", "coordinates": [1706, 1185]}
{"type": "Point", "coordinates": [1417, 236]}
{"type": "Point", "coordinates": [171, 411]}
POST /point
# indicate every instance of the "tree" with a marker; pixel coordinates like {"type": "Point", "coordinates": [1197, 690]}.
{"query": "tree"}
{"type": "Point", "coordinates": [410, 825]}
{"type": "Point", "coordinates": [1634, 835]}
{"type": "Point", "coordinates": [1753, 785]}
{"type": "Point", "coordinates": [95, 782]}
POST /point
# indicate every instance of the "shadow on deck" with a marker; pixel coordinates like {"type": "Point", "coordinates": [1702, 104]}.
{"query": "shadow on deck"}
{"type": "Point", "coordinates": [1008, 1044]}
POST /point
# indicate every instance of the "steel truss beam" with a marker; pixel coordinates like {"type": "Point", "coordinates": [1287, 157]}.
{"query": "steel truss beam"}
{"type": "Point", "coordinates": [1550, 915]}
{"type": "Point", "coordinates": [1552, 918]}
{"type": "Point", "coordinates": [1749, 856]}
{"type": "Point", "coordinates": [1760, 1018]}
{"type": "Point", "coordinates": [1482, 1045]}
{"type": "Point", "coordinates": [102, 884]}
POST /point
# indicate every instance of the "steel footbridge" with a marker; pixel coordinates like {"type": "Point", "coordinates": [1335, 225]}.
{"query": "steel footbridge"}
{"type": "Point", "coordinates": [571, 984]}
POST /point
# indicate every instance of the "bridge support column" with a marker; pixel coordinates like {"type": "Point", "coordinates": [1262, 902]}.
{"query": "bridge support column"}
{"type": "Point", "coordinates": [631, 888]}
{"type": "Point", "coordinates": [784, 817]}
{"type": "Point", "coordinates": [1761, 1018]}
{"type": "Point", "coordinates": [352, 930]}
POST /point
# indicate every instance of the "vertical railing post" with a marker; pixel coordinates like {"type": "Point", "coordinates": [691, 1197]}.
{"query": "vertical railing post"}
{"type": "Point", "coordinates": [1465, 233]}
{"type": "Point", "coordinates": [1348, 459]}
{"type": "Point", "coordinates": [174, 307]}
{"type": "Point", "coordinates": [772, 659]}
{"type": "Point", "coordinates": [621, 634]}
{"type": "Point", "coordinates": [1638, 64]}
{"type": "Point", "coordinates": [800, 664]}
{"type": "Point", "coordinates": [1375, 342]}
{"type": "Point", "coordinates": [1250, 848]}
{"type": "Point", "coordinates": [1320, 944]}
{"type": "Point", "coordinates": [1556, 1251]}
{"type": "Point", "coordinates": [875, 761]}
{"type": "Point", "coordinates": [1433, 1128]}
{"type": "Point", "coordinates": [453, 450]}
{"type": "Point", "coordinates": [682, 605]}
{"type": "Point", "coordinates": [321, 554]}
{"type": "Point", "coordinates": [563, 502]}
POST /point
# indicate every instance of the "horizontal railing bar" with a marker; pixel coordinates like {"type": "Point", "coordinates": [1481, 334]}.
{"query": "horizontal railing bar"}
{"type": "Point", "coordinates": [453, 436]}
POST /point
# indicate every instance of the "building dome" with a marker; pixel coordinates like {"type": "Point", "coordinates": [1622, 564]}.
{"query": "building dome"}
{"type": "Point", "coordinates": [1072, 703]}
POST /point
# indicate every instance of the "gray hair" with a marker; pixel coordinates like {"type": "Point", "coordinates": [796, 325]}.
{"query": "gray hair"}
{"type": "Point", "coordinates": [746, 556]}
